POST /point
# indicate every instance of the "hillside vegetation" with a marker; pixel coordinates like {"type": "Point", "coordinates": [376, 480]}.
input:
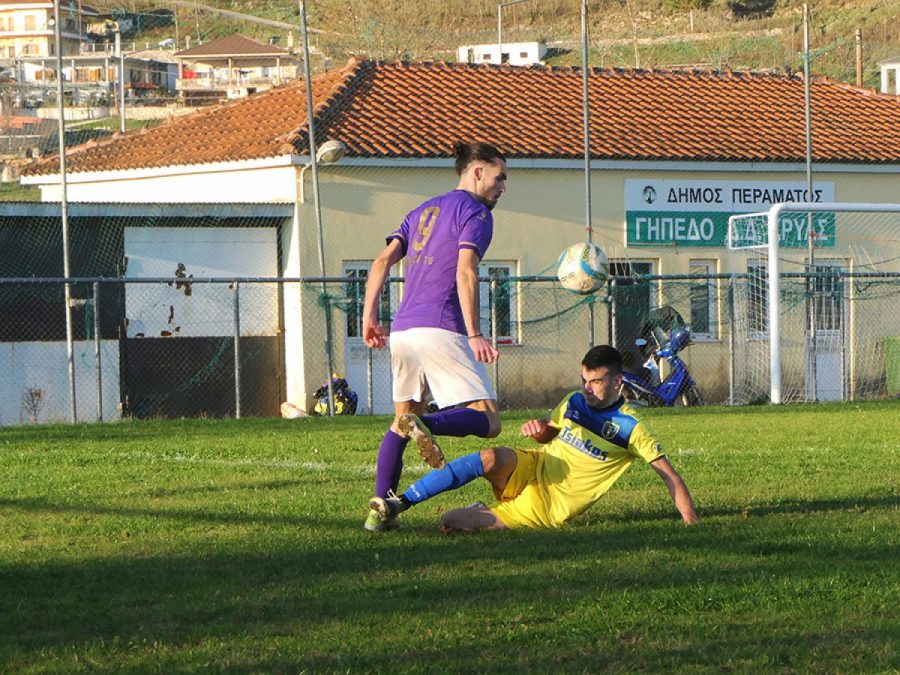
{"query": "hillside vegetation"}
{"type": "Point", "coordinates": [737, 34]}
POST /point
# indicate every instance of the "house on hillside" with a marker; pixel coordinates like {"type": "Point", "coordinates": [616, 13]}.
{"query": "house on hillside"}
{"type": "Point", "coordinates": [231, 67]}
{"type": "Point", "coordinates": [512, 53]}
{"type": "Point", "coordinates": [90, 71]}
{"type": "Point", "coordinates": [890, 70]}
{"type": "Point", "coordinates": [26, 30]}
{"type": "Point", "coordinates": [21, 136]}
{"type": "Point", "coordinates": [94, 76]}
{"type": "Point", "coordinates": [225, 192]}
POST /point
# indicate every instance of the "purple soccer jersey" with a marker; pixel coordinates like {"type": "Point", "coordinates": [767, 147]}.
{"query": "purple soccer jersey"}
{"type": "Point", "coordinates": [432, 237]}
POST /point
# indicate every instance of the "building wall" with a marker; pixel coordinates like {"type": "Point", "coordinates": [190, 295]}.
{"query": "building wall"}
{"type": "Point", "coordinates": [542, 213]}
{"type": "Point", "coordinates": [213, 184]}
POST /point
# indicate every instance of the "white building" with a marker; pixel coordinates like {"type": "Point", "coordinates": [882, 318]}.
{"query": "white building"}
{"type": "Point", "coordinates": [890, 67]}
{"type": "Point", "coordinates": [512, 53]}
{"type": "Point", "coordinates": [220, 193]}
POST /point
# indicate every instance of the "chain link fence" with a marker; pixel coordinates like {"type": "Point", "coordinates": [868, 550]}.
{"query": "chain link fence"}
{"type": "Point", "coordinates": [190, 347]}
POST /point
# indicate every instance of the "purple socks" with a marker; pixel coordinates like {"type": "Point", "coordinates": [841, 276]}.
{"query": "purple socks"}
{"type": "Point", "coordinates": [458, 422]}
{"type": "Point", "coordinates": [390, 463]}
{"type": "Point", "coordinates": [455, 422]}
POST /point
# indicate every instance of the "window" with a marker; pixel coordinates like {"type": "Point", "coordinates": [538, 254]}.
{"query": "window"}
{"type": "Point", "coordinates": [30, 22]}
{"type": "Point", "coordinates": [502, 298]}
{"type": "Point", "coordinates": [827, 293]}
{"type": "Point", "coordinates": [633, 299]}
{"type": "Point", "coordinates": [758, 299]}
{"type": "Point", "coordinates": [704, 301]}
{"type": "Point", "coordinates": [355, 292]}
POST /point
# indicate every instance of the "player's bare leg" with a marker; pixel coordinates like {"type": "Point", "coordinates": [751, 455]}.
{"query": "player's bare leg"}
{"type": "Point", "coordinates": [489, 408]}
{"type": "Point", "coordinates": [470, 519]}
{"type": "Point", "coordinates": [499, 464]}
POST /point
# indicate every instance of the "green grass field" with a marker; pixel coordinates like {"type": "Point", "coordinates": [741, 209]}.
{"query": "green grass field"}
{"type": "Point", "coordinates": [222, 545]}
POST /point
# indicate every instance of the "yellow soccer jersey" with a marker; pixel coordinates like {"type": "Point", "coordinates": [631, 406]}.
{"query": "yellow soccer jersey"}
{"type": "Point", "coordinates": [593, 448]}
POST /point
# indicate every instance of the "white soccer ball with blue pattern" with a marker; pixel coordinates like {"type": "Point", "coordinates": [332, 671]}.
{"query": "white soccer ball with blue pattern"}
{"type": "Point", "coordinates": [582, 268]}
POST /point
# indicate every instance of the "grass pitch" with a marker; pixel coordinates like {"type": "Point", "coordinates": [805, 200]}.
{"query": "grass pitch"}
{"type": "Point", "coordinates": [222, 545]}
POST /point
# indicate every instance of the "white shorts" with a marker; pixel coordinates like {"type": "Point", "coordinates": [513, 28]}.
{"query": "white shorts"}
{"type": "Point", "coordinates": [439, 361]}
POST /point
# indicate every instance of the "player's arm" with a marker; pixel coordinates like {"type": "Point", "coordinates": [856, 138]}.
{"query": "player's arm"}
{"type": "Point", "coordinates": [467, 288]}
{"type": "Point", "coordinates": [541, 431]}
{"type": "Point", "coordinates": [677, 490]}
{"type": "Point", "coordinates": [373, 332]}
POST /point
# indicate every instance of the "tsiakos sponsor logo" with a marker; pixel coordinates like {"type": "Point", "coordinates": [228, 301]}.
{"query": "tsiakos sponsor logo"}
{"type": "Point", "coordinates": [568, 437]}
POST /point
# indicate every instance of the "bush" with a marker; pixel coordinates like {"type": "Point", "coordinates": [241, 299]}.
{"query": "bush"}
{"type": "Point", "coordinates": [677, 5]}
{"type": "Point", "coordinates": [746, 9]}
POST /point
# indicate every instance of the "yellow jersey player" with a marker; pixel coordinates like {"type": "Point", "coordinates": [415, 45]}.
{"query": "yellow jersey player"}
{"type": "Point", "coordinates": [588, 442]}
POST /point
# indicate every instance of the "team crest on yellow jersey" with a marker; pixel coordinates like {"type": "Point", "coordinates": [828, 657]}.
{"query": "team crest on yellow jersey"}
{"type": "Point", "coordinates": [609, 430]}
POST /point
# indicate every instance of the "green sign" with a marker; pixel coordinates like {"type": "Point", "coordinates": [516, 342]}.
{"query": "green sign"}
{"type": "Point", "coordinates": [793, 230]}
{"type": "Point", "coordinates": [710, 228]}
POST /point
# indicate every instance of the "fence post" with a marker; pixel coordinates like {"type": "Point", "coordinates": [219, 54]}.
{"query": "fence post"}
{"type": "Point", "coordinates": [492, 299]}
{"type": "Point", "coordinates": [729, 299]}
{"type": "Point", "coordinates": [237, 349]}
{"type": "Point", "coordinates": [97, 358]}
{"type": "Point", "coordinates": [370, 387]}
{"type": "Point", "coordinates": [851, 311]}
{"type": "Point", "coordinates": [843, 335]}
{"type": "Point", "coordinates": [329, 356]}
{"type": "Point", "coordinates": [612, 313]}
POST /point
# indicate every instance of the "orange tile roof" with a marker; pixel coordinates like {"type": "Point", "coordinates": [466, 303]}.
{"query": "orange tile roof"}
{"type": "Point", "coordinates": [403, 110]}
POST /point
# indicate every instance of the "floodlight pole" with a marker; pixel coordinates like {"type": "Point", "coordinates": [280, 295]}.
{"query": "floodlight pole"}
{"type": "Point", "coordinates": [587, 149]}
{"type": "Point", "coordinates": [500, 26]}
{"type": "Point", "coordinates": [64, 208]}
{"type": "Point", "coordinates": [318, 206]}
{"type": "Point", "coordinates": [810, 235]}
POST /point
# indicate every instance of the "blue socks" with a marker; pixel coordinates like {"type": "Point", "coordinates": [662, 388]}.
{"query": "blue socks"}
{"type": "Point", "coordinates": [455, 474]}
{"type": "Point", "coordinates": [458, 422]}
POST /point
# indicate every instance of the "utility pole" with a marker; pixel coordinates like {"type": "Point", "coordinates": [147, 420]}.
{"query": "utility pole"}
{"type": "Point", "coordinates": [500, 26]}
{"type": "Point", "coordinates": [812, 279]}
{"type": "Point", "coordinates": [586, 115]}
{"type": "Point", "coordinates": [859, 58]}
{"type": "Point", "coordinates": [64, 208]}
{"type": "Point", "coordinates": [120, 85]}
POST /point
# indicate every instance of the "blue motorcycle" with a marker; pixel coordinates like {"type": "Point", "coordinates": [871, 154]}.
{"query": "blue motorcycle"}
{"type": "Point", "coordinates": [643, 386]}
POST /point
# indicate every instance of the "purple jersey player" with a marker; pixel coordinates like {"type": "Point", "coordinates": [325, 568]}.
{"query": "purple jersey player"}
{"type": "Point", "coordinates": [437, 345]}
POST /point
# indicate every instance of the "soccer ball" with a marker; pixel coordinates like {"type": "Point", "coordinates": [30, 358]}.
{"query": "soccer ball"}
{"type": "Point", "coordinates": [582, 268]}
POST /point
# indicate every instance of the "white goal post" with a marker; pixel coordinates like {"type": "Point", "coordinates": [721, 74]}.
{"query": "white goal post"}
{"type": "Point", "coordinates": [870, 242]}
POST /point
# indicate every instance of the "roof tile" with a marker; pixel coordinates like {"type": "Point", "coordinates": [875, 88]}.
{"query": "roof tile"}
{"type": "Point", "coordinates": [419, 109]}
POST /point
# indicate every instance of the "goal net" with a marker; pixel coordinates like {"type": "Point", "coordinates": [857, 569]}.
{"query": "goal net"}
{"type": "Point", "coordinates": [816, 303]}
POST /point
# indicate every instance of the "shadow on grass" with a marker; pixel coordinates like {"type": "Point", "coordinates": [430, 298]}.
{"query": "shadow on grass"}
{"type": "Point", "coordinates": [310, 571]}
{"type": "Point", "coordinates": [856, 504]}
{"type": "Point", "coordinates": [315, 520]}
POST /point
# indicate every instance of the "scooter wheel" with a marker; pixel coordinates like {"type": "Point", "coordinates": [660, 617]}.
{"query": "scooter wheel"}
{"type": "Point", "coordinates": [633, 397]}
{"type": "Point", "coordinates": [690, 395]}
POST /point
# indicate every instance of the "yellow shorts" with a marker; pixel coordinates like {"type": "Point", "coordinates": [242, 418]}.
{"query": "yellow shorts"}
{"type": "Point", "coordinates": [522, 503]}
